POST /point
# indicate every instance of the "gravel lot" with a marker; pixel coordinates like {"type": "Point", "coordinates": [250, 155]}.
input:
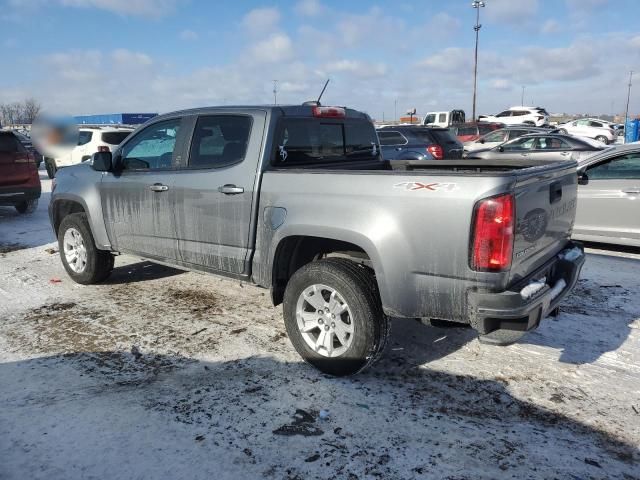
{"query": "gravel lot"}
{"type": "Point", "coordinates": [159, 373]}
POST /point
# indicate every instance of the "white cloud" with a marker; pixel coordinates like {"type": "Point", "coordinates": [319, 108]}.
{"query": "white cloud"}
{"type": "Point", "coordinates": [142, 8]}
{"type": "Point", "coordinates": [443, 25]}
{"type": "Point", "coordinates": [188, 35]}
{"type": "Point", "coordinates": [357, 68]}
{"type": "Point", "coordinates": [309, 8]}
{"type": "Point", "coordinates": [129, 58]}
{"type": "Point", "coordinates": [275, 48]}
{"type": "Point", "coordinates": [260, 20]}
{"type": "Point", "coordinates": [550, 26]}
{"type": "Point", "coordinates": [510, 12]}
{"type": "Point", "coordinates": [501, 84]}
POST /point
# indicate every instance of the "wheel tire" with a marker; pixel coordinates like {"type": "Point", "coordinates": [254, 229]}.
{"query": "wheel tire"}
{"type": "Point", "coordinates": [99, 262]}
{"type": "Point", "coordinates": [501, 337]}
{"type": "Point", "coordinates": [357, 286]}
{"type": "Point", "coordinates": [602, 139]}
{"type": "Point", "coordinates": [27, 207]}
{"type": "Point", "coordinates": [50, 166]}
{"type": "Point", "coordinates": [562, 131]}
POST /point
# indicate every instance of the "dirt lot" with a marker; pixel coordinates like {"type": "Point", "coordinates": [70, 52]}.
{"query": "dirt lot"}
{"type": "Point", "coordinates": [162, 374]}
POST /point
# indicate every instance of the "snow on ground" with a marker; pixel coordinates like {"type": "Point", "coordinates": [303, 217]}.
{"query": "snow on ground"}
{"type": "Point", "coordinates": [162, 374]}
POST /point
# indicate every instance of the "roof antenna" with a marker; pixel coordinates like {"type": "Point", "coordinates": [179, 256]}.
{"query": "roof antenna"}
{"type": "Point", "coordinates": [322, 92]}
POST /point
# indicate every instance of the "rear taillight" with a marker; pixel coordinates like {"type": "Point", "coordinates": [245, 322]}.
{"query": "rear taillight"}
{"type": "Point", "coordinates": [328, 112]}
{"type": "Point", "coordinates": [436, 151]}
{"type": "Point", "coordinates": [493, 232]}
{"type": "Point", "coordinates": [103, 148]}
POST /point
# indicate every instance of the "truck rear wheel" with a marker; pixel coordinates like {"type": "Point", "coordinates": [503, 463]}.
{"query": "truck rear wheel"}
{"type": "Point", "coordinates": [83, 262]}
{"type": "Point", "coordinates": [333, 316]}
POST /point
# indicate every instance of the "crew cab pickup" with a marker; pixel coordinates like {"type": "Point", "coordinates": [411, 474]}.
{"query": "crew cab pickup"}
{"type": "Point", "coordinates": [298, 199]}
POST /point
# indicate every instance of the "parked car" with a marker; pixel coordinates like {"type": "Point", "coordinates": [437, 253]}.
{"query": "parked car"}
{"type": "Point", "coordinates": [472, 131]}
{"type": "Point", "coordinates": [586, 127]}
{"type": "Point", "coordinates": [19, 178]}
{"type": "Point", "coordinates": [609, 197]}
{"type": "Point", "coordinates": [534, 116]}
{"type": "Point", "coordinates": [28, 144]}
{"type": "Point", "coordinates": [444, 119]}
{"type": "Point", "coordinates": [296, 199]}
{"type": "Point", "coordinates": [545, 146]}
{"type": "Point", "coordinates": [90, 140]}
{"type": "Point", "coordinates": [500, 136]}
{"type": "Point", "coordinates": [406, 142]}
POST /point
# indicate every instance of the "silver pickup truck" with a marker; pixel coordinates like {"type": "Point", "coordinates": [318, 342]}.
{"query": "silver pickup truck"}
{"type": "Point", "coordinates": [297, 199]}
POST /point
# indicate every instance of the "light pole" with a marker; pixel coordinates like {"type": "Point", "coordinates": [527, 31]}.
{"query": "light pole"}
{"type": "Point", "coordinates": [477, 5]}
{"type": "Point", "coordinates": [522, 97]}
{"type": "Point", "coordinates": [626, 112]}
{"type": "Point", "coordinates": [275, 92]}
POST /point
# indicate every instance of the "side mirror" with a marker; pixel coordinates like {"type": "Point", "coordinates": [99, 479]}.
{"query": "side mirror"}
{"type": "Point", "coordinates": [102, 161]}
{"type": "Point", "coordinates": [583, 178]}
{"type": "Point", "coordinates": [481, 140]}
{"type": "Point", "coordinates": [501, 148]}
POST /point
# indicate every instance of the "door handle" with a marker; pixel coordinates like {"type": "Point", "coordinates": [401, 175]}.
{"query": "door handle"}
{"type": "Point", "coordinates": [564, 153]}
{"type": "Point", "coordinates": [632, 190]}
{"type": "Point", "coordinates": [158, 187]}
{"type": "Point", "coordinates": [230, 189]}
{"type": "Point", "coordinates": [398, 149]}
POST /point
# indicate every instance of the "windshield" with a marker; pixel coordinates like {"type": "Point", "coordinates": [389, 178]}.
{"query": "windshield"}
{"type": "Point", "coordinates": [430, 118]}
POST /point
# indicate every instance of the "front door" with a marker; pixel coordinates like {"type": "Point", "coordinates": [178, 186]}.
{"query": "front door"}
{"type": "Point", "coordinates": [215, 191]}
{"type": "Point", "coordinates": [137, 198]}
{"type": "Point", "coordinates": [609, 204]}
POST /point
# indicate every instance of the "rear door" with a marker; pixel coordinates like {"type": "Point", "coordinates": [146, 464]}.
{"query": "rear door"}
{"type": "Point", "coordinates": [214, 191]}
{"type": "Point", "coordinates": [14, 158]}
{"type": "Point", "coordinates": [137, 198]}
{"type": "Point", "coordinates": [550, 148]}
{"type": "Point", "coordinates": [392, 143]}
{"type": "Point", "coordinates": [608, 204]}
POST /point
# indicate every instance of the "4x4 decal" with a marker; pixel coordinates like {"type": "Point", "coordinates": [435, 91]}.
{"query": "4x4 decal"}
{"type": "Point", "coordinates": [432, 186]}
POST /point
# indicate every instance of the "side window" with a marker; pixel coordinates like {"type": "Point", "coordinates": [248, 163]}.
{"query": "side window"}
{"type": "Point", "coordinates": [391, 138]}
{"type": "Point", "coordinates": [463, 131]}
{"type": "Point", "coordinates": [506, 113]}
{"type": "Point", "coordinates": [431, 118]}
{"type": "Point", "coordinates": [519, 113]}
{"type": "Point", "coordinates": [8, 143]}
{"type": "Point", "coordinates": [595, 124]}
{"type": "Point", "coordinates": [520, 144]}
{"type": "Point", "coordinates": [219, 141]}
{"type": "Point", "coordinates": [495, 137]}
{"type": "Point", "coordinates": [442, 118]}
{"type": "Point", "coordinates": [517, 133]}
{"type": "Point", "coordinates": [582, 123]}
{"type": "Point", "coordinates": [152, 148]}
{"type": "Point", "coordinates": [552, 143]}
{"type": "Point", "coordinates": [84, 137]}
{"type": "Point", "coordinates": [626, 167]}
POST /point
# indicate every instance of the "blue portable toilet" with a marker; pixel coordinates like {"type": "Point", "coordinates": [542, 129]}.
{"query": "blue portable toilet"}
{"type": "Point", "coordinates": [632, 131]}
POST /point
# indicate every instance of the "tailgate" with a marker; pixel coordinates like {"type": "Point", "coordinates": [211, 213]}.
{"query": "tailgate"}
{"type": "Point", "coordinates": [545, 212]}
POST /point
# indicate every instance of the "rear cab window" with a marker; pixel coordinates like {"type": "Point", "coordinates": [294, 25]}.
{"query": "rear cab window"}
{"type": "Point", "coordinates": [302, 141]}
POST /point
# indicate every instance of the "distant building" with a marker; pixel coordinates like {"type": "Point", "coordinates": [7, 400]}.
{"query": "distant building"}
{"type": "Point", "coordinates": [114, 119]}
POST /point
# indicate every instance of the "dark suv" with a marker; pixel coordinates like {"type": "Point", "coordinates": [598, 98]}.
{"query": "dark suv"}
{"type": "Point", "coordinates": [413, 142]}
{"type": "Point", "coordinates": [19, 179]}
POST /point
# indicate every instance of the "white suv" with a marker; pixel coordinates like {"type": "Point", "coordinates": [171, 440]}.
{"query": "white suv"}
{"type": "Point", "coordinates": [590, 128]}
{"type": "Point", "coordinates": [90, 141]}
{"type": "Point", "coordinates": [534, 116]}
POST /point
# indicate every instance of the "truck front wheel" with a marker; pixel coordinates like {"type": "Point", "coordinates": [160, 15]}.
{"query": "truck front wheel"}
{"type": "Point", "coordinates": [333, 316]}
{"type": "Point", "coordinates": [83, 262]}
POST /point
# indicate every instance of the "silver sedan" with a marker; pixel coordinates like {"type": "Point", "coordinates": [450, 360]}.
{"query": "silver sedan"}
{"type": "Point", "coordinates": [609, 197]}
{"type": "Point", "coordinates": [546, 146]}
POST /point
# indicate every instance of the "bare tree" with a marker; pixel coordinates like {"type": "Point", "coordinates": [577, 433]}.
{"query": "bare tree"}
{"type": "Point", "coordinates": [30, 109]}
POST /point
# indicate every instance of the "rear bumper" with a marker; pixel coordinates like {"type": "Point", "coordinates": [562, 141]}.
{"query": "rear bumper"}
{"type": "Point", "coordinates": [14, 196]}
{"type": "Point", "coordinates": [511, 310]}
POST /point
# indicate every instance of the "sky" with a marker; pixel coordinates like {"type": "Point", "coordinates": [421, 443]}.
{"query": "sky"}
{"type": "Point", "coordinates": [109, 56]}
